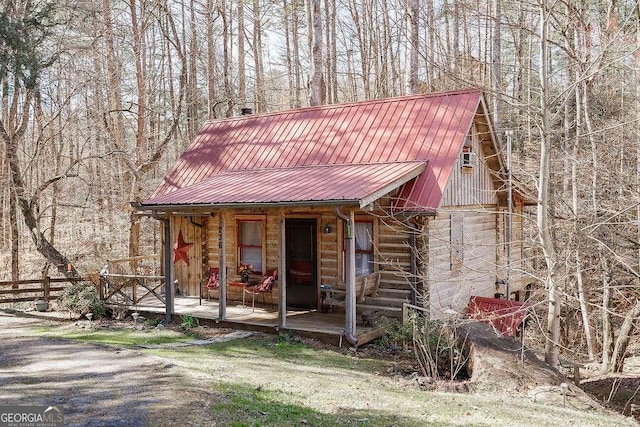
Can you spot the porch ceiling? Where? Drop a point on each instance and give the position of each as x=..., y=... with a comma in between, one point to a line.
x=321, y=184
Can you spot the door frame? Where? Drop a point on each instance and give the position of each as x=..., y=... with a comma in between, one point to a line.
x=316, y=237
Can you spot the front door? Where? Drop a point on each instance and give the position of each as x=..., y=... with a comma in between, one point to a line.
x=302, y=290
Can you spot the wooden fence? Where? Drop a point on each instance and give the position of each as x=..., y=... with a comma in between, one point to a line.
x=49, y=289
x=131, y=289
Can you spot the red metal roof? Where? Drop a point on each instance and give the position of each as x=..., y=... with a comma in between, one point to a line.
x=359, y=183
x=429, y=127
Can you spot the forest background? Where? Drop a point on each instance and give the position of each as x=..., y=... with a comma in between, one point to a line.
x=98, y=99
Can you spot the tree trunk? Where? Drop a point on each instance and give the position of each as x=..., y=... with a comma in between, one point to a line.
x=226, y=58
x=28, y=207
x=315, y=86
x=413, y=13
x=584, y=310
x=287, y=51
x=543, y=218
x=192, y=85
x=211, y=60
x=242, y=85
x=607, y=330
x=496, y=63
x=141, y=135
x=257, y=58
x=328, y=71
x=637, y=115
x=616, y=363
x=297, y=72
x=431, y=42
x=15, y=238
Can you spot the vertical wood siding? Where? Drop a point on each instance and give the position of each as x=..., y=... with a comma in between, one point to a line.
x=188, y=276
x=474, y=186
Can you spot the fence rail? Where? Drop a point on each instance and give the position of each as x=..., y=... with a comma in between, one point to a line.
x=49, y=289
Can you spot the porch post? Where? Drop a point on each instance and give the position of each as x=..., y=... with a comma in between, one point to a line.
x=168, y=277
x=222, y=275
x=350, y=297
x=413, y=268
x=282, y=273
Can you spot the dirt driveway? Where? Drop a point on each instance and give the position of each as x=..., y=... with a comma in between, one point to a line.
x=96, y=385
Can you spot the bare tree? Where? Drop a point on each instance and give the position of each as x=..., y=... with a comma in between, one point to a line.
x=26, y=29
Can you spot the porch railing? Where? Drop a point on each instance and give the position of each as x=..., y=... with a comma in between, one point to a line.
x=131, y=289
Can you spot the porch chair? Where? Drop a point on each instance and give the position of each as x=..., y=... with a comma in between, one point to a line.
x=265, y=286
x=210, y=282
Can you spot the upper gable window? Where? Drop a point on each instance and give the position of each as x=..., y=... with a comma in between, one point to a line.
x=468, y=158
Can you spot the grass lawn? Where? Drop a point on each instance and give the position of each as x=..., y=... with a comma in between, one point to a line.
x=278, y=381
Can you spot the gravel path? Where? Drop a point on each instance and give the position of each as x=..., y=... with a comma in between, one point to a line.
x=96, y=385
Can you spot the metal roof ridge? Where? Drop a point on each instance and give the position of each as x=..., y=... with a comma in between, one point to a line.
x=348, y=104
x=318, y=166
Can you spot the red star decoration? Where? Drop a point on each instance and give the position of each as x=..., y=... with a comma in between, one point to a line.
x=180, y=249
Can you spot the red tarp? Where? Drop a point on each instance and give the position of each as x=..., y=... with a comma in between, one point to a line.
x=504, y=315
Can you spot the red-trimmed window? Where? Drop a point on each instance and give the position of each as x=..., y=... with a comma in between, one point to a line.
x=250, y=244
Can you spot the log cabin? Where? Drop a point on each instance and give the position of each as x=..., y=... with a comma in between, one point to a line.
x=364, y=205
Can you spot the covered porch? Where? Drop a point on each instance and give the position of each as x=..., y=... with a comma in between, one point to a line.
x=326, y=327
x=286, y=222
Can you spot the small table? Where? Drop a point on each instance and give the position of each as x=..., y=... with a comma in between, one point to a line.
x=242, y=285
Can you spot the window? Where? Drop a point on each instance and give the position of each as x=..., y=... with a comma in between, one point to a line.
x=469, y=158
x=363, y=233
x=250, y=243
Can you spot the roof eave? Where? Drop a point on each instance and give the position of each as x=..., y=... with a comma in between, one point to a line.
x=392, y=185
x=243, y=205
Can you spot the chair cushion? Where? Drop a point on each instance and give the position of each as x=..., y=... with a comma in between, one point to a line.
x=265, y=285
x=213, y=282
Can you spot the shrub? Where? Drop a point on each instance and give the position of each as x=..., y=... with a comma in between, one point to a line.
x=189, y=322
x=436, y=345
x=81, y=298
x=395, y=333
x=152, y=323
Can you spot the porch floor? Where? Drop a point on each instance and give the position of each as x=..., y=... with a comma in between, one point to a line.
x=326, y=327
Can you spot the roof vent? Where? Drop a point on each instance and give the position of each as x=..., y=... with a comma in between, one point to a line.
x=246, y=111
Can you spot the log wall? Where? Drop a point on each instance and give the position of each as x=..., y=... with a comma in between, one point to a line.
x=393, y=253
x=452, y=283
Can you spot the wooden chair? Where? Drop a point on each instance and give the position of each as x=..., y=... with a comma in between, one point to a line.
x=265, y=286
x=210, y=282
x=366, y=285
